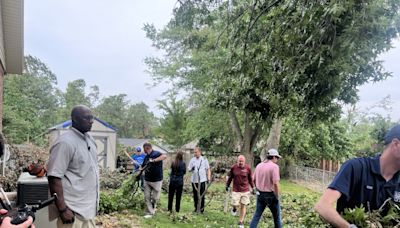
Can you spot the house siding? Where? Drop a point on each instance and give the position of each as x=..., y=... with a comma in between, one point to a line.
x=2, y=53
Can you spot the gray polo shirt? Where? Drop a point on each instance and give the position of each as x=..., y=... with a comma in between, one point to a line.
x=73, y=158
x=200, y=169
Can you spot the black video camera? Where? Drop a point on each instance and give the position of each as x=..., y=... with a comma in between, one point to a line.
x=21, y=214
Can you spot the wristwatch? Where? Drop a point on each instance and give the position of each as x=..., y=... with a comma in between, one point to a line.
x=63, y=210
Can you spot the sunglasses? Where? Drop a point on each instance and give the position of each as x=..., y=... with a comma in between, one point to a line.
x=88, y=118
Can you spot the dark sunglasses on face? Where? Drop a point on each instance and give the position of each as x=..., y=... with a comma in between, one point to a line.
x=88, y=118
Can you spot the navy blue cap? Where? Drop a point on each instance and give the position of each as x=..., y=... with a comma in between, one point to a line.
x=138, y=149
x=392, y=134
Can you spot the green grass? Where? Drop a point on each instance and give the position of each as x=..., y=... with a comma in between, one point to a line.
x=290, y=187
x=214, y=215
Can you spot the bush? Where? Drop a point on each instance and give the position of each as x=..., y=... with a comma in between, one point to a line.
x=121, y=198
x=111, y=179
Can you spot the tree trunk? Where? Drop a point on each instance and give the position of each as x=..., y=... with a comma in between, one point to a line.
x=237, y=131
x=247, y=141
x=273, y=138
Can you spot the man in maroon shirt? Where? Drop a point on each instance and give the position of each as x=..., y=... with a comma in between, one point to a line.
x=241, y=175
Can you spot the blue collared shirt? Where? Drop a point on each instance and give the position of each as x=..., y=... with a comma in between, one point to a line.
x=360, y=181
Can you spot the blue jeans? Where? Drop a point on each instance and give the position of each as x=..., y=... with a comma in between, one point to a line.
x=265, y=199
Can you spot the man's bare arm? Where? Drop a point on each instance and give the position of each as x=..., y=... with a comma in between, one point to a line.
x=55, y=186
x=325, y=208
x=209, y=174
x=276, y=189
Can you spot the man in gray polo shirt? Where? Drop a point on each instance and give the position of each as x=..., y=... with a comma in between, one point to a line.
x=73, y=172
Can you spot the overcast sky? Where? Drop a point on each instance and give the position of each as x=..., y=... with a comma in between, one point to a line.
x=103, y=43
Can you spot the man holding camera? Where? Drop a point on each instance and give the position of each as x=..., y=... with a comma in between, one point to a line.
x=73, y=172
x=6, y=222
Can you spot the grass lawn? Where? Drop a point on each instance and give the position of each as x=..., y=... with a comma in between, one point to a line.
x=296, y=200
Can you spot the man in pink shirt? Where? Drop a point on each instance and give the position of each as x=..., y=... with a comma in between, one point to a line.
x=266, y=178
x=240, y=173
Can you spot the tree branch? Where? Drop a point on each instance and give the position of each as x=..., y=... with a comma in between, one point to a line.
x=248, y=129
x=262, y=13
x=248, y=27
x=255, y=135
x=240, y=14
x=235, y=126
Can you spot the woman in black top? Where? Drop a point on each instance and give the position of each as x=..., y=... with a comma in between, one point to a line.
x=178, y=170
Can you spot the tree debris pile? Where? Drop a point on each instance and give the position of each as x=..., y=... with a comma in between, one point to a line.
x=20, y=157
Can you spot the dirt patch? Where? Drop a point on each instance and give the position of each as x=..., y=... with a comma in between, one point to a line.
x=121, y=219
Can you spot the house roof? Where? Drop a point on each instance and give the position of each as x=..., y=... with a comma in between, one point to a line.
x=132, y=142
x=68, y=123
x=139, y=143
x=12, y=12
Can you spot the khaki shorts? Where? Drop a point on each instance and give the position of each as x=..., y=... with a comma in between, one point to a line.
x=240, y=198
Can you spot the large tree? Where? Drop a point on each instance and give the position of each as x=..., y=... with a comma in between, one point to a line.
x=75, y=94
x=262, y=60
x=30, y=102
x=131, y=120
x=174, y=121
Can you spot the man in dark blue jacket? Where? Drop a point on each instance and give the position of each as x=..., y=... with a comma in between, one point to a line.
x=367, y=181
x=153, y=177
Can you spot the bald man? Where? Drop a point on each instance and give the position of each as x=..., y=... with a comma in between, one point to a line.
x=73, y=172
x=241, y=175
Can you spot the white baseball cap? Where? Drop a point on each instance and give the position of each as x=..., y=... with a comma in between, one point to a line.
x=273, y=152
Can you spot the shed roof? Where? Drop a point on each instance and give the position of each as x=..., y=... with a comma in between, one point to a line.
x=139, y=143
x=132, y=142
x=191, y=145
x=68, y=123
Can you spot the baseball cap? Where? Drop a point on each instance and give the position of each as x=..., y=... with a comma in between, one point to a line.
x=273, y=152
x=138, y=149
x=393, y=133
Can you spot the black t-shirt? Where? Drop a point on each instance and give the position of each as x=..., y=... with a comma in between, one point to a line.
x=177, y=173
x=360, y=181
x=153, y=171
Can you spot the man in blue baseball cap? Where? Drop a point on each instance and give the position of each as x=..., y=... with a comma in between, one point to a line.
x=367, y=181
x=138, y=158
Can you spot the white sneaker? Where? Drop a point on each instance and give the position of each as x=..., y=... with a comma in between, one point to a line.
x=234, y=213
x=148, y=216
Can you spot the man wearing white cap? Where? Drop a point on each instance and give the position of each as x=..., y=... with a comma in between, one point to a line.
x=266, y=178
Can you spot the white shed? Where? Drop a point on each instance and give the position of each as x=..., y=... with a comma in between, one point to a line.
x=105, y=136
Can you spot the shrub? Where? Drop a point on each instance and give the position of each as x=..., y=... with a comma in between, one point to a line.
x=121, y=198
x=111, y=179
